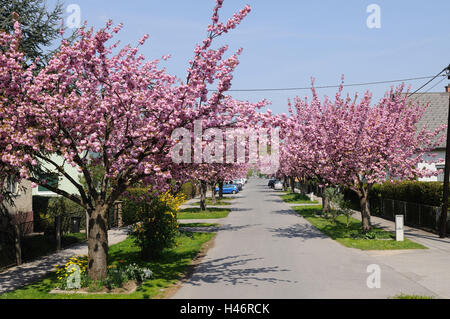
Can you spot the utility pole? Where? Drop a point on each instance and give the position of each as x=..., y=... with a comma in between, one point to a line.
x=443, y=219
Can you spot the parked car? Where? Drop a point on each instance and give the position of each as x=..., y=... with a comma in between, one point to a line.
x=228, y=189
x=278, y=185
x=238, y=183
x=271, y=182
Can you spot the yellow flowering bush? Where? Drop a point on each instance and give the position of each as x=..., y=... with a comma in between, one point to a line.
x=64, y=271
x=157, y=226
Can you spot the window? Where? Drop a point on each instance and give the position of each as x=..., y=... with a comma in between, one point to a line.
x=52, y=180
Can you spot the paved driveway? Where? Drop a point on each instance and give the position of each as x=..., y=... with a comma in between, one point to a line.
x=268, y=251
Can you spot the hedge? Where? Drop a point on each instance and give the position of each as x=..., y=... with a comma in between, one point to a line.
x=426, y=193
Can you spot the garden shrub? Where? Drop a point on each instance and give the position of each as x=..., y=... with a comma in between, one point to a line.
x=189, y=190
x=157, y=224
x=426, y=193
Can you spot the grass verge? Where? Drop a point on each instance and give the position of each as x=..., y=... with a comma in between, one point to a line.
x=198, y=225
x=219, y=202
x=167, y=270
x=196, y=213
x=377, y=239
x=296, y=198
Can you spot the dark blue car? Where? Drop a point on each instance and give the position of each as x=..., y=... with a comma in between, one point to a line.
x=228, y=189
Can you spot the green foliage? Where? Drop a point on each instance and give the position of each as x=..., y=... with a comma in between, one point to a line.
x=427, y=193
x=157, y=226
x=189, y=190
x=60, y=206
x=39, y=26
x=132, y=205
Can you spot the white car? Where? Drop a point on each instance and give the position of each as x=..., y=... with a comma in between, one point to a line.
x=278, y=185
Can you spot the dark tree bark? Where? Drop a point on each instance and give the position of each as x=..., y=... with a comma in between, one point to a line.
x=291, y=181
x=203, y=189
x=98, y=242
x=220, y=189
x=365, y=209
x=213, y=193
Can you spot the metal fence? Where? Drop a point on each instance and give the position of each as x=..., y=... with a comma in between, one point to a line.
x=416, y=215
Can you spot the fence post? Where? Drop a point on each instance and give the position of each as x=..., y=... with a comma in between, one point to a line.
x=404, y=209
x=58, y=232
x=17, y=244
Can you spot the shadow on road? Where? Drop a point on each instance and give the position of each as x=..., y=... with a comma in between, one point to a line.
x=234, y=270
x=303, y=232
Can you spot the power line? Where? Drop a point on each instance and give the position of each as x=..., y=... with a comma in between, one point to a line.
x=443, y=78
x=332, y=86
x=447, y=69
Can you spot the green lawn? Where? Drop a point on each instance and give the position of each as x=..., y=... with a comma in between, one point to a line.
x=219, y=202
x=166, y=270
x=35, y=246
x=297, y=198
x=196, y=213
x=353, y=237
x=197, y=225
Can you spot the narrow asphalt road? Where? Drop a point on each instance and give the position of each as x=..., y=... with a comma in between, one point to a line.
x=265, y=250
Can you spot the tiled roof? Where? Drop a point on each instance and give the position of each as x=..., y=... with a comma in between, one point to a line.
x=437, y=112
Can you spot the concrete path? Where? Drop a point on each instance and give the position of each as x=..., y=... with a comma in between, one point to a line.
x=427, y=267
x=268, y=251
x=25, y=274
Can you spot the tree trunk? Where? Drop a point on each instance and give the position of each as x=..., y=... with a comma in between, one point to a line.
x=203, y=189
x=325, y=202
x=220, y=189
x=291, y=180
x=98, y=243
x=365, y=212
x=213, y=193
x=17, y=244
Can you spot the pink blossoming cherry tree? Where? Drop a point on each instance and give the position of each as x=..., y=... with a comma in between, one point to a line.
x=96, y=104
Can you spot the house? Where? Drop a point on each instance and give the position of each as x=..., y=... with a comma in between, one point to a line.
x=61, y=182
x=435, y=116
x=21, y=213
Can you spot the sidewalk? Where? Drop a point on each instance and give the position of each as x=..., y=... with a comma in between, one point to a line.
x=428, y=267
x=28, y=273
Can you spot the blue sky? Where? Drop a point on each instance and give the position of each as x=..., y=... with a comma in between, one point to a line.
x=288, y=42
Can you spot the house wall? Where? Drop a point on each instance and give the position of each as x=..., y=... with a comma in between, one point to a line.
x=63, y=183
x=440, y=155
x=22, y=211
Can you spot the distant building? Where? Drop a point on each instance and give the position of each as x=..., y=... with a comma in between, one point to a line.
x=435, y=116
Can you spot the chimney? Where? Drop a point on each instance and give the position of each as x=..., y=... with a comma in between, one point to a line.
x=447, y=89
